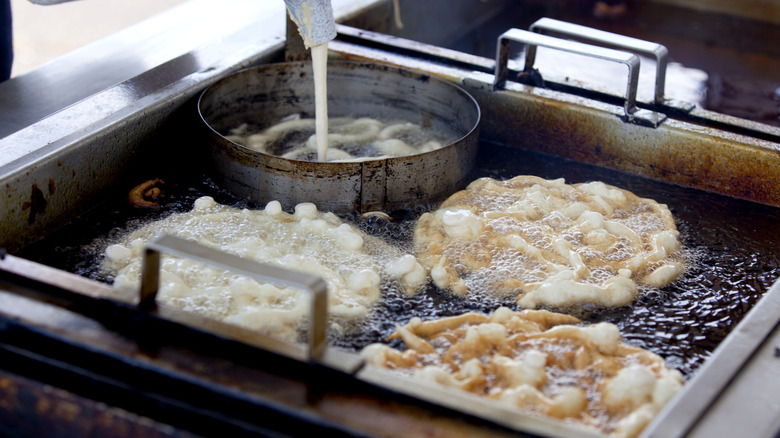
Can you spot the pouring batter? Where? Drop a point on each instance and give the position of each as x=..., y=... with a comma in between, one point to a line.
x=316, y=26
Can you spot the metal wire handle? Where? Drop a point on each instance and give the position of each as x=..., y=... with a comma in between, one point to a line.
x=315, y=286
x=622, y=42
x=532, y=40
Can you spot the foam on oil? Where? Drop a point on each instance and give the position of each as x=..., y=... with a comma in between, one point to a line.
x=732, y=248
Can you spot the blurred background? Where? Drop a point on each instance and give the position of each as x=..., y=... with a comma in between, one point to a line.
x=42, y=33
x=724, y=55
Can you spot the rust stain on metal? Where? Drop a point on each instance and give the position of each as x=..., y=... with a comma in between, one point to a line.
x=36, y=204
x=676, y=152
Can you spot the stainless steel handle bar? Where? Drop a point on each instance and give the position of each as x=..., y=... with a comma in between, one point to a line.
x=621, y=42
x=533, y=40
x=315, y=286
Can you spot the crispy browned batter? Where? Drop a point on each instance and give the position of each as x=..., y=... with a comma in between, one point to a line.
x=537, y=361
x=549, y=243
x=146, y=194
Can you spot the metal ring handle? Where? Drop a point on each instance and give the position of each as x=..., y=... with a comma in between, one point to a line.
x=532, y=40
x=622, y=42
x=316, y=286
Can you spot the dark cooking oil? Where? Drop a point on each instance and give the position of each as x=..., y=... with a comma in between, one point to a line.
x=733, y=249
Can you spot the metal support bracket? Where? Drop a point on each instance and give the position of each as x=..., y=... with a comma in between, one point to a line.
x=315, y=286
x=621, y=42
x=533, y=40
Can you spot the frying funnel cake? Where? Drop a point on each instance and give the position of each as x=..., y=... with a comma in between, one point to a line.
x=551, y=243
x=540, y=362
x=349, y=139
x=351, y=262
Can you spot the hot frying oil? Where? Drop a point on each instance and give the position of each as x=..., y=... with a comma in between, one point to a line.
x=732, y=248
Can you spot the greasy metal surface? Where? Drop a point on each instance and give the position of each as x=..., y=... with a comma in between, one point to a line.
x=54, y=277
x=33, y=409
x=50, y=174
x=79, y=287
x=271, y=92
x=454, y=65
x=677, y=152
x=72, y=325
x=591, y=131
x=226, y=382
